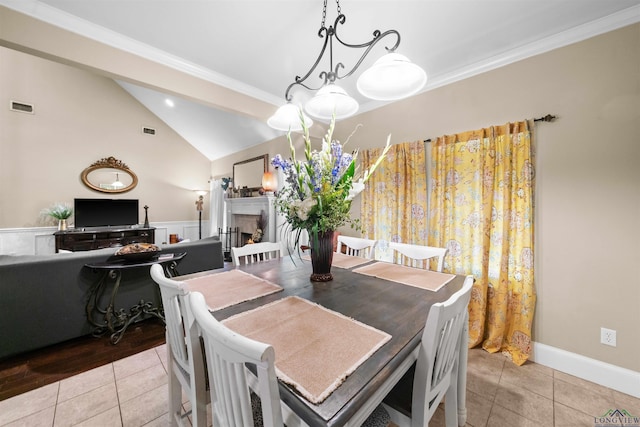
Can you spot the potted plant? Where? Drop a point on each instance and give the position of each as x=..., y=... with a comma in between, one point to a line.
x=59, y=211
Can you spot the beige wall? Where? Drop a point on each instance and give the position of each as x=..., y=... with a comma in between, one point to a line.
x=588, y=195
x=81, y=117
x=587, y=204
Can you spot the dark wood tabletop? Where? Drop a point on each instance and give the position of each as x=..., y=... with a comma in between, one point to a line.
x=400, y=310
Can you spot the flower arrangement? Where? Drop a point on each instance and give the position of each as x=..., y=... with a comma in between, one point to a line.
x=318, y=190
x=59, y=211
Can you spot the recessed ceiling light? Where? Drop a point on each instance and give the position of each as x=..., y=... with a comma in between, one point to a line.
x=169, y=102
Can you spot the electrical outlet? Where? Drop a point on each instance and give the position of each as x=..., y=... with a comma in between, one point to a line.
x=608, y=337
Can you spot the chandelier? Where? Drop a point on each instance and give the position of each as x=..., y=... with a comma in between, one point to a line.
x=390, y=78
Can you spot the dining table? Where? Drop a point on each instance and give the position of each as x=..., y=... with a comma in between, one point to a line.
x=397, y=309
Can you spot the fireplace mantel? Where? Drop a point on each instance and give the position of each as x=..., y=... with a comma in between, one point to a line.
x=253, y=206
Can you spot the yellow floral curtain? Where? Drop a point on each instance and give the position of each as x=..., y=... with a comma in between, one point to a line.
x=394, y=202
x=481, y=209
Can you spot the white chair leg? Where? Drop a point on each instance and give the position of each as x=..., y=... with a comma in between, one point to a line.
x=175, y=394
x=451, y=405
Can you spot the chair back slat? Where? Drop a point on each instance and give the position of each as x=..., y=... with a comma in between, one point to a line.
x=179, y=322
x=256, y=252
x=417, y=256
x=185, y=368
x=357, y=246
x=436, y=367
x=227, y=354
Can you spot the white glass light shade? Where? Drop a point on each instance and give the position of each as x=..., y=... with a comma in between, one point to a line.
x=331, y=99
x=117, y=184
x=391, y=77
x=287, y=118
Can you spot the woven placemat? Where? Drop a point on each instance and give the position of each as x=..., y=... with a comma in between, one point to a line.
x=316, y=348
x=420, y=278
x=231, y=287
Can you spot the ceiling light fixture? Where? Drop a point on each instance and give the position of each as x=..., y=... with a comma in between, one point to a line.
x=117, y=184
x=391, y=77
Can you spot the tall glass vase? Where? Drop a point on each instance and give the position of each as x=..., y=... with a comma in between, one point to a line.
x=321, y=255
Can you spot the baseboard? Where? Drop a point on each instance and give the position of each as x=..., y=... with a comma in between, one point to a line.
x=611, y=376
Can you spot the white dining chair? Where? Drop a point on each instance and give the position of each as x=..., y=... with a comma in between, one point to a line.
x=436, y=372
x=256, y=252
x=417, y=255
x=357, y=246
x=185, y=362
x=231, y=383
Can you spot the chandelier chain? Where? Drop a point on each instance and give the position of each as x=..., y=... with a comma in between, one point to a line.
x=324, y=12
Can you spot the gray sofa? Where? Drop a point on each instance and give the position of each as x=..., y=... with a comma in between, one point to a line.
x=43, y=297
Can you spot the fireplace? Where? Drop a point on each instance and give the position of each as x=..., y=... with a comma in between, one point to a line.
x=244, y=211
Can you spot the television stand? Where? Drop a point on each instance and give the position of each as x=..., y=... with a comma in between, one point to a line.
x=98, y=238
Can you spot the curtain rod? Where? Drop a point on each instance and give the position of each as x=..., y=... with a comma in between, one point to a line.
x=547, y=118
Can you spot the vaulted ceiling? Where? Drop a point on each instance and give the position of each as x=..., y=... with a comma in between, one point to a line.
x=258, y=47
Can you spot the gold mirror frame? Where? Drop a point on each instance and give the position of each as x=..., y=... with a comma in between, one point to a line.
x=109, y=163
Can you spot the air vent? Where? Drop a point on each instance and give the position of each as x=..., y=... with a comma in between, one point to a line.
x=148, y=131
x=21, y=107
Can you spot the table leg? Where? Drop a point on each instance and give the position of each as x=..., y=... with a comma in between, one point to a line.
x=93, y=304
x=462, y=372
x=171, y=269
x=116, y=321
x=140, y=309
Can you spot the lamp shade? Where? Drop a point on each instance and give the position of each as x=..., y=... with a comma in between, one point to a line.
x=391, y=77
x=329, y=100
x=269, y=182
x=287, y=118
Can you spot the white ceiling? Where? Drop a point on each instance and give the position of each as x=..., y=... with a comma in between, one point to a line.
x=258, y=47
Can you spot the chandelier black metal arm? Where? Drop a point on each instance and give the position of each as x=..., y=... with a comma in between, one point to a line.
x=330, y=76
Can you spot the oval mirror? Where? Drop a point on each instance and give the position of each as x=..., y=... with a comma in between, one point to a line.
x=109, y=175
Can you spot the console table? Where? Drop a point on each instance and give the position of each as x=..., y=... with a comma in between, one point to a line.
x=98, y=238
x=117, y=321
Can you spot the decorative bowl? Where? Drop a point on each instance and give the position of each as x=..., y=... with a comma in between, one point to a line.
x=138, y=252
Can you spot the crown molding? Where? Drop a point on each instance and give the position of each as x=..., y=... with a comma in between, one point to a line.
x=50, y=15
x=58, y=18
x=577, y=34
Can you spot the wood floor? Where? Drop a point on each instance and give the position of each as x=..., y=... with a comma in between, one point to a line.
x=29, y=371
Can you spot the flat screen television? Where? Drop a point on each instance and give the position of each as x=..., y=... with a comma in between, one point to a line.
x=105, y=212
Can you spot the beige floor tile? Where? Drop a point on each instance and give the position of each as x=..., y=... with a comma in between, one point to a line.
x=625, y=401
x=478, y=409
x=28, y=403
x=109, y=418
x=583, y=399
x=162, y=421
x=483, y=372
x=136, y=384
x=569, y=417
x=145, y=408
x=530, y=379
x=136, y=363
x=501, y=417
x=86, y=406
x=162, y=354
x=85, y=382
x=525, y=403
x=596, y=388
x=42, y=418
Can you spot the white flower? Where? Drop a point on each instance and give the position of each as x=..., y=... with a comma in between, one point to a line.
x=356, y=188
x=302, y=207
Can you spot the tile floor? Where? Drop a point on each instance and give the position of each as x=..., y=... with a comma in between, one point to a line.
x=132, y=392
